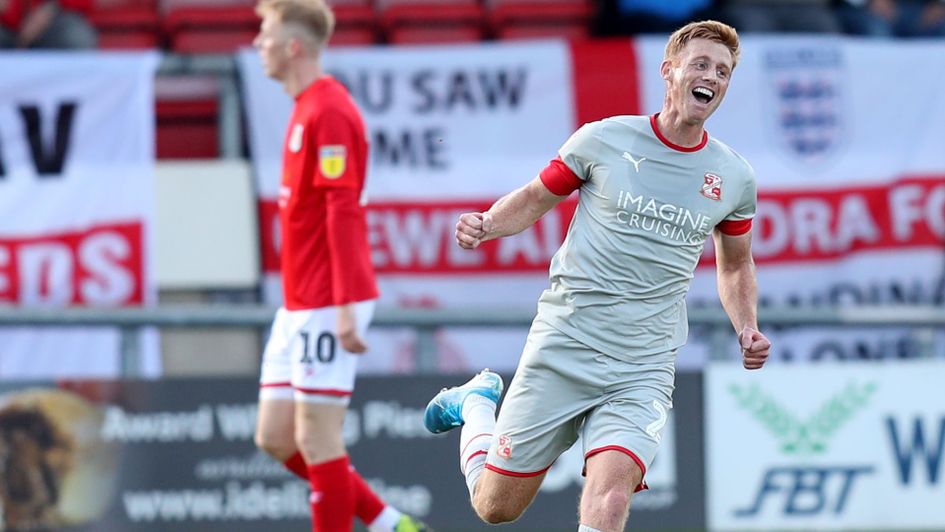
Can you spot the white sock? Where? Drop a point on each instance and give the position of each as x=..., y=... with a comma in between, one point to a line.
x=585, y=528
x=475, y=437
x=386, y=521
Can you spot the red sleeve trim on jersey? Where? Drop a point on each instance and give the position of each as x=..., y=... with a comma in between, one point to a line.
x=734, y=227
x=559, y=178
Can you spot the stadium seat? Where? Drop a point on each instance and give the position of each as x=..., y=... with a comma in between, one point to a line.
x=211, y=27
x=126, y=24
x=525, y=19
x=355, y=22
x=187, y=117
x=428, y=21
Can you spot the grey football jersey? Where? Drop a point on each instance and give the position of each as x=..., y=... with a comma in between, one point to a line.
x=645, y=209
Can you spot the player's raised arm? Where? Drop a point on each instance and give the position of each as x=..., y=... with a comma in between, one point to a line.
x=738, y=291
x=511, y=214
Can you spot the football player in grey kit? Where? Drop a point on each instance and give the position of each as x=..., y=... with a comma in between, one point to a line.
x=599, y=360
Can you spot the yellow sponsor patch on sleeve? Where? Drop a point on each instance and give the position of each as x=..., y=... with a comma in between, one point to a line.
x=332, y=160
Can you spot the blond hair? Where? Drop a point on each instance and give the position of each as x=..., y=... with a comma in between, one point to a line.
x=707, y=29
x=313, y=16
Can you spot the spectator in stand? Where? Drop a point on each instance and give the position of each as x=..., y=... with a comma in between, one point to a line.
x=46, y=24
x=772, y=16
x=893, y=18
x=631, y=17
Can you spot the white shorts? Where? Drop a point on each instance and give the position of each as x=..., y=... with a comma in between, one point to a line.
x=304, y=360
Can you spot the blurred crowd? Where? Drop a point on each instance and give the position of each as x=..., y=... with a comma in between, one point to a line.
x=870, y=18
x=66, y=23
x=46, y=24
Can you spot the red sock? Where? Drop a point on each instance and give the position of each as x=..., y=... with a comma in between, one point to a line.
x=297, y=465
x=367, y=504
x=332, y=496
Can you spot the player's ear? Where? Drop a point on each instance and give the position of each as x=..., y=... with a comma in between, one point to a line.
x=666, y=68
x=291, y=46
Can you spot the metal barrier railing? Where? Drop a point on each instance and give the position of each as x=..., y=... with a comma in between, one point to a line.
x=923, y=320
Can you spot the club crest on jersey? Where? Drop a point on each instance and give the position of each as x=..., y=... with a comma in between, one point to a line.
x=712, y=187
x=332, y=160
x=295, y=138
x=505, y=447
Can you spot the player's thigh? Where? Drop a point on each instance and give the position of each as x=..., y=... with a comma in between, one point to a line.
x=275, y=430
x=275, y=427
x=318, y=430
x=503, y=498
x=555, y=384
x=632, y=413
x=612, y=477
x=275, y=375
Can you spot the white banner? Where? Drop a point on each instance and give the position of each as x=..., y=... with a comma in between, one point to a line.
x=861, y=446
x=451, y=128
x=76, y=177
x=445, y=122
x=849, y=162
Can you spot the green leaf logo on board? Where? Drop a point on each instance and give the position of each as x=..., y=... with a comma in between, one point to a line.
x=807, y=436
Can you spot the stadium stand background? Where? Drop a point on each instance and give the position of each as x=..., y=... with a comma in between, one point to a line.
x=203, y=174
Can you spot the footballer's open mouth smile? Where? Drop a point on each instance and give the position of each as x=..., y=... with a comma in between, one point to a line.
x=703, y=94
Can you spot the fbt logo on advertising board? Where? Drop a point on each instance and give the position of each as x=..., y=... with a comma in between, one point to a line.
x=856, y=445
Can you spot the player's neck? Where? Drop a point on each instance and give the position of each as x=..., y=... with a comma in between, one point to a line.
x=303, y=74
x=675, y=129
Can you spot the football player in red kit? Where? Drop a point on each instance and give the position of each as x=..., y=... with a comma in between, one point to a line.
x=329, y=289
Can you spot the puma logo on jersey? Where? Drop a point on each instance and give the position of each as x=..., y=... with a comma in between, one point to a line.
x=636, y=162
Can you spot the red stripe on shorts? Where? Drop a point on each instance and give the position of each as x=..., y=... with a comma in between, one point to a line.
x=276, y=385
x=507, y=473
x=321, y=391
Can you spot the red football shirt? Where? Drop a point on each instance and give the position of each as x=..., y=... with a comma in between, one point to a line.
x=326, y=260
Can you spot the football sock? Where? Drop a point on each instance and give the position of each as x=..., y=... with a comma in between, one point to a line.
x=475, y=437
x=368, y=507
x=386, y=521
x=296, y=464
x=332, y=496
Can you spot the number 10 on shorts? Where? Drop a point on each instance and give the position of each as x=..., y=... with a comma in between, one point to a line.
x=322, y=349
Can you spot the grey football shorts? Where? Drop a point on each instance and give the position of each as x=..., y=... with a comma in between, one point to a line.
x=563, y=389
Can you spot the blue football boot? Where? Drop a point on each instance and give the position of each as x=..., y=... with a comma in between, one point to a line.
x=445, y=410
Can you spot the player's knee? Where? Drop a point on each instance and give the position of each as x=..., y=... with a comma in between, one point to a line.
x=320, y=445
x=278, y=446
x=609, y=500
x=495, y=508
